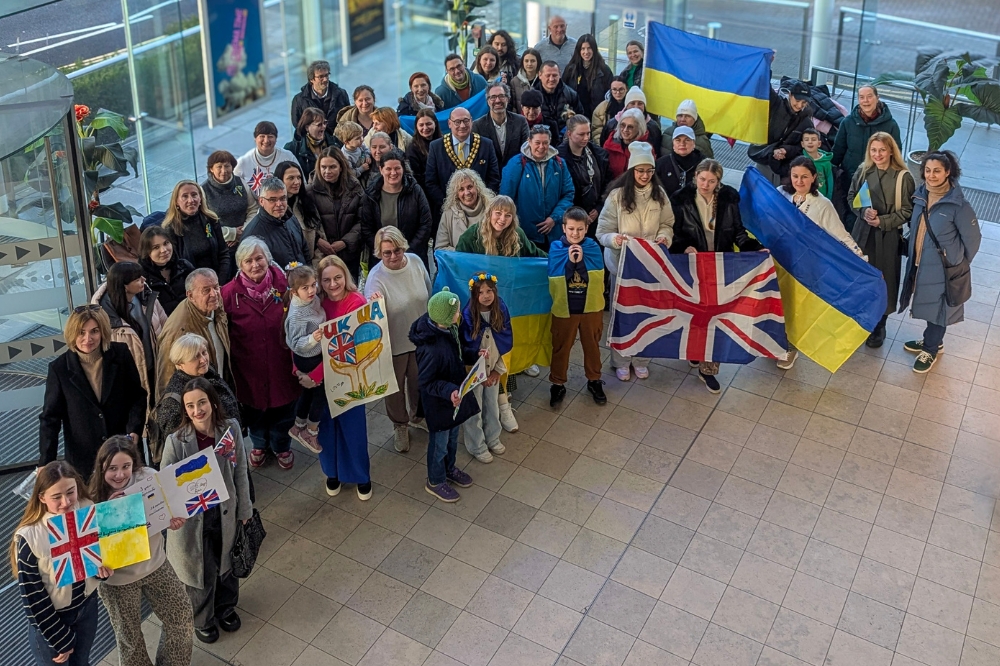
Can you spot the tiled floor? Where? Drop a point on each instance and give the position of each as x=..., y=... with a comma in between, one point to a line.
x=798, y=518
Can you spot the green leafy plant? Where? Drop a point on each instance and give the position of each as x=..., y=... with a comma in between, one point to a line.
x=952, y=89
x=461, y=16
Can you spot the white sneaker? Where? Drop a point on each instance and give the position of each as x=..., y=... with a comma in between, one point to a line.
x=532, y=370
x=789, y=360
x=507, y=419
x=484, y=457
x=498, y=448
x=623, y=374
x=642, y=373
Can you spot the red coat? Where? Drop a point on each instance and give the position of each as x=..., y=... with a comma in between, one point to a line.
x=618, y=155
x=261, y=361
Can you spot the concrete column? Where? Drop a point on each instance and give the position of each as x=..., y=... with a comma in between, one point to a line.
x=822, y=34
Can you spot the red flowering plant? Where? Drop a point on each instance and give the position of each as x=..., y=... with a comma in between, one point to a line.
x=103, y=164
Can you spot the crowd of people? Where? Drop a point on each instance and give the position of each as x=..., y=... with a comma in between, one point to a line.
x=216, y=329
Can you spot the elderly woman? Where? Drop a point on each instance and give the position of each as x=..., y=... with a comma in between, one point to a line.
x=164, y=270
x=419, y=97
x=190, y=357
x=631, y=127
x=92, y=391
x=301, y=205
x=228, y=196
x=200, y=550
x=635, y=99
x=262, y=365
x=403, y=280
x=879, y=227
x=427, y=129
x=336, y=194
x=276, y=227
x=195, y=231
x=310, y=139
x=944, y=232
x=361, y=112
x=385, y=120
x=464, y=206
x=637, y=207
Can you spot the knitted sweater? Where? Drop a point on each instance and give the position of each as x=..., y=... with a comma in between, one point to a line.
x=302, y=321
x=232, y=202
x=406, y=293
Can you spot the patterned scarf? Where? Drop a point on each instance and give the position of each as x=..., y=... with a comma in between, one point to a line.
x=258, y=291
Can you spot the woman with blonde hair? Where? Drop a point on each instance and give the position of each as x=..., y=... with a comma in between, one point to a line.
x=498, y=233
x=195, y=231
x=879, y=227
x=386, y=120
x=464, y=206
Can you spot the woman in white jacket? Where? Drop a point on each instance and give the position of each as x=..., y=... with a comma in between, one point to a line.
x=637, y=207
x=464, y=206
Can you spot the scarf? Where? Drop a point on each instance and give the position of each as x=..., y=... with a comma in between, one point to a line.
x=865, y=117
x=93, y=367
x=421, y=104
x=315, y=146
x=456, y=86
x=934, y=195
x=261, y=291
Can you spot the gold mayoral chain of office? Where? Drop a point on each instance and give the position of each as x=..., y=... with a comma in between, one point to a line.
x=449, y=148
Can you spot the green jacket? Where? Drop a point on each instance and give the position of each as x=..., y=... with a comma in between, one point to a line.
x=471, y=242
x=824, y=172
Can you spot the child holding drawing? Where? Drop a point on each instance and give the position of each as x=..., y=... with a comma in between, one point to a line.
x=441, y=373
x=303, y=320
x=117, y=467
x=62, y=620
x=485, y=331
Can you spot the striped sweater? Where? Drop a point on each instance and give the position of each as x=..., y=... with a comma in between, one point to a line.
x=38, y=604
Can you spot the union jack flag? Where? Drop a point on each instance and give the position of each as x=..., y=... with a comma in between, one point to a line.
x=202, y=502
x=74, y=545
x=226, y=448
x=707, y=306
x=342, y=348
x=257, y=178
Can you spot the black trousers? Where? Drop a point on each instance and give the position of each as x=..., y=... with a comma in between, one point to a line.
x=221, y=593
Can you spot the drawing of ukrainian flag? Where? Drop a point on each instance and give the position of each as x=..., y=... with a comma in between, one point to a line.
x=729, y=82
x=523, y=286
x=832, y=298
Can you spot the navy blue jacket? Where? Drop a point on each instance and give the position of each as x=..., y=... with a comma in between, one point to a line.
x=440, y=372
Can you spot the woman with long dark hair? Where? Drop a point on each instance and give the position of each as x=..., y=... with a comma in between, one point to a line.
x=527, y=74
x=164, y=269
x=337, y=195
x=426, y=129
x=487, y=65
x=301, y=204
x=588, y=74
x=632, y=74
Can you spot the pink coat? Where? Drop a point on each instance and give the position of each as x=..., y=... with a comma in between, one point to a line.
x=261, y=361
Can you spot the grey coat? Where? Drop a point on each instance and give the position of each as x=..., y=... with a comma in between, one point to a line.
x=957, y=230
x=184, y=546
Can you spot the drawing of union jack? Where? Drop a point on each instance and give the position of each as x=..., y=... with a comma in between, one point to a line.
x=74, y=545
x=257, y=178
x=707, y=306
x=202, y=502
x=342, y=348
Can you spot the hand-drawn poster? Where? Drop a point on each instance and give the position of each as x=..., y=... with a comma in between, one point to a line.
x=157, y=514
x=477, y=375
x=186, y=488
x=74, y=545
x=121, y=527
x=357, y=358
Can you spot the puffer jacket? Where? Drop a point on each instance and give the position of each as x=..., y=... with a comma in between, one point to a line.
x=340, y=221
x=170, y=292
x=852, y=137
x=336, y=99
x=440, y=372
x=729, y=231
x=413, y=214
x=590, y=95
x=538, y=192
x=649, y=220
x=784, y=130
x=702, y=139
x=957, y=230
x=283, y=237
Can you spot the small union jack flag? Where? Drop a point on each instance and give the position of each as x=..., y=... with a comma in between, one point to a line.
x=74, y=545
x=342, y=348
x=226, y=448
x=707, y=306
x=257, y=178
x=202, y=502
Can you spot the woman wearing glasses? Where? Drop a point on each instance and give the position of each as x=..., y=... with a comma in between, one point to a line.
x=403, y=280
x=310, y=139
x=92, y=391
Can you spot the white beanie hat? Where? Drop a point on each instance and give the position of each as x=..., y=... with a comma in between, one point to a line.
x=688, y=108
x=635, y=94
x=640, y=152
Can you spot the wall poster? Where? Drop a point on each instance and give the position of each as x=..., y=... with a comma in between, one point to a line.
x=233, y=55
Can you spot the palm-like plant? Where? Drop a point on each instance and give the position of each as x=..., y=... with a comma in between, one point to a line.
x=461, y=18
x=103, y=164
x=952, y=93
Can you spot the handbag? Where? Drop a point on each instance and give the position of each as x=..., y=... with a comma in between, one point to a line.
x=957, y=278
x=246, y=546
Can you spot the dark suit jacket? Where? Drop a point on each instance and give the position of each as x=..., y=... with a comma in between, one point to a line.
x=517, y=134
x=440, y=168
x=85, y=419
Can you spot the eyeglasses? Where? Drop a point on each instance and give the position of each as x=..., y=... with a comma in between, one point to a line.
x=388, y=254
x=318, y=123
x=462, y=121
x=496, y=98
x=275, y=200
x=80, y=309
x=645, y=172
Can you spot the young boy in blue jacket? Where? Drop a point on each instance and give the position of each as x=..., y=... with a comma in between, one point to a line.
x=440, y=373
x=576, y=282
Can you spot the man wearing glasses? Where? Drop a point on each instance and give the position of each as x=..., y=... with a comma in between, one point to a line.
x=321, y=93
x=461, y=148
x=275, y=226
x=507, y=131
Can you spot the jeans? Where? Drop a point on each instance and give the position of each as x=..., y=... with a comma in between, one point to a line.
x=83, y=623
x=269, y=427
x=442, y=446
x=482, y=431
x=933, y=337
x=309, y=406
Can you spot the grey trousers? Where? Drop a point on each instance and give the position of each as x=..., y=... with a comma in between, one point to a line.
x=404, y=367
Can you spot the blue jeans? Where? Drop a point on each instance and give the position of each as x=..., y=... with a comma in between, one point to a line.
x=82, y=622
x=933, y=337
x=269, y=427
x=442, y=446
x=482, y=431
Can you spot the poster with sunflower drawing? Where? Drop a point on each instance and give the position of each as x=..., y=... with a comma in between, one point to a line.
x=357, y=358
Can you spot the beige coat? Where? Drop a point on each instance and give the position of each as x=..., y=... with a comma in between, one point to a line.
x=649, y=220
x=187, y=319
x=598, y=121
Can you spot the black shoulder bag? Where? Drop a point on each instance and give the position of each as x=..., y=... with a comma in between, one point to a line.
x=246, y=546
x=957, y=278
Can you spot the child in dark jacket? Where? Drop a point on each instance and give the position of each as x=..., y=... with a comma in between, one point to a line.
x=576, y=283
x=441, y=373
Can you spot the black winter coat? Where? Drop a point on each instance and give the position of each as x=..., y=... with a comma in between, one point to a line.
x=407, y=107
x=517, y=134
x=784, y=130
x=852, y=138
x=85, y=419
x=299, y=147
x=590, y=95
x=170, y=292
x=675, y=171
x=413, y=215
x=340, y=221
x=588, y=193
x=554, y=105
x=440, y=372
x=729, y=230
x=335, y=100
x=217, y=257
x=283, y=237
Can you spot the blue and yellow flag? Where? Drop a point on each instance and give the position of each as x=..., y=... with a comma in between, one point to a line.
x=476, y=105
x=832, y=298
x=523, y=285
x=863, y=199
x=729, y=82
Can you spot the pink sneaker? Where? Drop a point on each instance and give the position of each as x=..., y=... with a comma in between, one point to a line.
x=641, y=373
x=285, y=460
x=624, y=374
x=257, y=457
x=310, y=440
x=295, y=432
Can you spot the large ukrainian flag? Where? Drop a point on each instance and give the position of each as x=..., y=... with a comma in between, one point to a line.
x=833, y=299
x=729, y=82
x=523, y=284
x=476, y=105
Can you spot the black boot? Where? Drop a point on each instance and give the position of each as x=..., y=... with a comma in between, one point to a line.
x=877, y=336
x=596, y=388
x=556, y=394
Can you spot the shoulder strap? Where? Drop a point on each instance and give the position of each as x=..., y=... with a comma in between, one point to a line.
x=899, y=190
x=925, y=220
